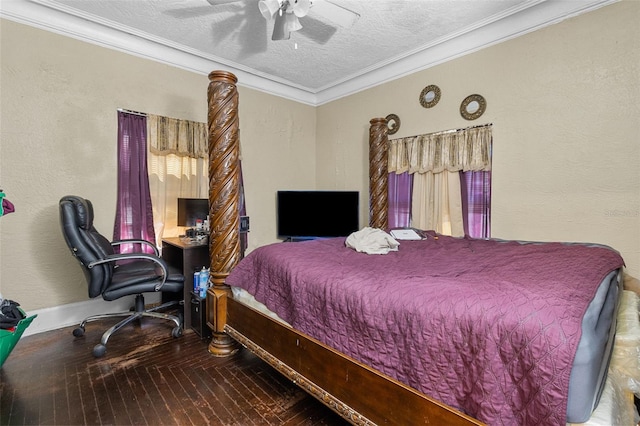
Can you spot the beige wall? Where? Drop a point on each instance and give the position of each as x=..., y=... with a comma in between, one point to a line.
x=563, y=101
x=566, y=117
x=58, y=136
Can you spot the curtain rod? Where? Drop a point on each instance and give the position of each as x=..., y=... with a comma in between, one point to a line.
x=128, y=111
x=144, y=114
x=442, y=132
x=476, y=126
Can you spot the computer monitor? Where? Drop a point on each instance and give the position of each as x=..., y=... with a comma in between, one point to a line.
x=192, y=209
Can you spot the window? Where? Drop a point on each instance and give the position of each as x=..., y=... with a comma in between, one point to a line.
x=448, y=177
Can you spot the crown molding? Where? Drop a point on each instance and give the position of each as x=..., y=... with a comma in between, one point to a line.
x=527, y=20
x=58, y=22
x=535, y=15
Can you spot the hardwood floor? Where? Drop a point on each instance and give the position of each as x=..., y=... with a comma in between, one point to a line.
x=146, y=377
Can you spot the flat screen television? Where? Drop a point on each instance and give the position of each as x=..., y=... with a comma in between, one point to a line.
x=317, y=214
x=192, y=209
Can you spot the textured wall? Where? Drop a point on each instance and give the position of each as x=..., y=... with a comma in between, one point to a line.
x=564, y=104
x=59, y=136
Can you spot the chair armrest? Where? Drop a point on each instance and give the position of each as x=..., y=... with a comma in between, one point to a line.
x=137, y=241
x=128, y=256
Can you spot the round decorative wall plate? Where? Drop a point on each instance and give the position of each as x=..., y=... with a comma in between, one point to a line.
x=472, y=107
x=393, y=123
x=429, y=96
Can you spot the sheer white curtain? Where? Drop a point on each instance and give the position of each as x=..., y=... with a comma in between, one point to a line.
x=435, y=161
x=178, y=168
x=437, y=204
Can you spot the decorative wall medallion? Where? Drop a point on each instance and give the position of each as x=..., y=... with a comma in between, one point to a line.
x=393, y=123
x=429, y=96
x=472, y=107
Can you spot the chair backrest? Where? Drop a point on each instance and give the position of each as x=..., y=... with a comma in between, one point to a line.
x=85, y=242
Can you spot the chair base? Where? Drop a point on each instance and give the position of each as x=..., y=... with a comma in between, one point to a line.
x=130, y=316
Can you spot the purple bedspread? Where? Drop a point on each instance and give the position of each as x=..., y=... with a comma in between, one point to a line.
x=488, y=327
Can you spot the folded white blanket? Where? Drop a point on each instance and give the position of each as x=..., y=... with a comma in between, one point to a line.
x=372, y=241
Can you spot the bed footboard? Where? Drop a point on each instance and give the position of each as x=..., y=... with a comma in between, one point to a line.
x=356, y=392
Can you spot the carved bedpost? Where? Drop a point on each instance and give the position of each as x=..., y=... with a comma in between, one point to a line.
x=378, y=173
x=224, y=203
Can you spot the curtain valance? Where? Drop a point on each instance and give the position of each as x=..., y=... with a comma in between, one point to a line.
x=180, y=137
x=466, y=150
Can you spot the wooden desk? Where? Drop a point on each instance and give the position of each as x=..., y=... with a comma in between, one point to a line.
x=188, y=258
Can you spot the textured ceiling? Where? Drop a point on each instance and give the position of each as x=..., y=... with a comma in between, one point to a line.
x=323, y=61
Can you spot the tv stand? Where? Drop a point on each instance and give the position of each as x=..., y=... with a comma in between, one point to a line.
x=299, y=239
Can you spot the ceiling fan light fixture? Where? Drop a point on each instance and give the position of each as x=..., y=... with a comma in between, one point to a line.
x=268, y=8
x=300, y=7
x=291, y=23
x=287, y=12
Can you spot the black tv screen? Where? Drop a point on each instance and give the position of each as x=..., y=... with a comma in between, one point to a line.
x=312, y=214
x=192, y=209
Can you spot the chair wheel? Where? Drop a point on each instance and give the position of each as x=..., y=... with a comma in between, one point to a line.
x=99, y=350
x=78, y=332
x=176, y=332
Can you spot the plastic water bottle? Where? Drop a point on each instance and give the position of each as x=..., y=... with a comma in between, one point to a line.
x=196, y=282
x=204, y=282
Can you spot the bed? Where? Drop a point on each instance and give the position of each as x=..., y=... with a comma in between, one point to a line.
x=499, y=361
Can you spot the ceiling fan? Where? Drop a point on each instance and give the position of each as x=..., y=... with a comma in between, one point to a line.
x=287, y=13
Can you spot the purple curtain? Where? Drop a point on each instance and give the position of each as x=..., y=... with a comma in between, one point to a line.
x=400, y=188
x=134, y=215
x=476, y=203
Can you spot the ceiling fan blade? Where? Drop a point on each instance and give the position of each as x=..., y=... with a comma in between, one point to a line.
x=337, y=14
x=279, y=30
x=195, y=11
x=316, y=30
x=219, y=2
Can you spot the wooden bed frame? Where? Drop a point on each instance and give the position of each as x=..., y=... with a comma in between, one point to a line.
x=358, y=393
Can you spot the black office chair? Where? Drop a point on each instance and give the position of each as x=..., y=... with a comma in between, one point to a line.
x=112, y=275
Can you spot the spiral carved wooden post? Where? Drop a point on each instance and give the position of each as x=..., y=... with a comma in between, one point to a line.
x=224, y=203
x=378, y=173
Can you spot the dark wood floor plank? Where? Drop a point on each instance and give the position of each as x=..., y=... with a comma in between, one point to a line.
x=146, y=377
x=270, y=408
x=211, y=397
x=191, y=395
x=60, y=397
x=243, y=399
x=104, y=396
x=88, y=401
x=28, y=405
x=7, y=410
x=143, y=399
x=128, y=399
x=47, y=390
x=180, y=397
x=227, y=397
x=123, y=410
x=75, y=399
x=156, y=398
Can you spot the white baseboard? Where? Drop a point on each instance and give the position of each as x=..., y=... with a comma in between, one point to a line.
x=74, y=313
